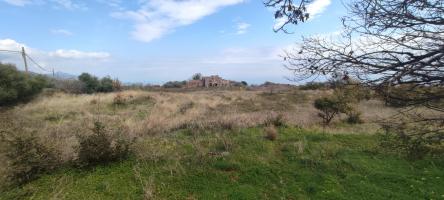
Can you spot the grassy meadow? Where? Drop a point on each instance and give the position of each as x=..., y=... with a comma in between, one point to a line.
x=218, y=145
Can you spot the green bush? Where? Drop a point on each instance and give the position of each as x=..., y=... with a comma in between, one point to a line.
x=106, y=85
x=415, y=140
x=174, y=84
x=329, y=107
x=27, y=157
x=354, y=117
x=92, y=84
x=100, y=147
x=16, y=86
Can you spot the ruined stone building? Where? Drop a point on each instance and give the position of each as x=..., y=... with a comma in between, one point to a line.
x=208, y=82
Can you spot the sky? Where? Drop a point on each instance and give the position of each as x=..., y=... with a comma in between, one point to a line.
x=154, y=41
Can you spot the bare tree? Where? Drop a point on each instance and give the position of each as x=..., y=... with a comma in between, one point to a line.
x=394, y=46
x=289, y=12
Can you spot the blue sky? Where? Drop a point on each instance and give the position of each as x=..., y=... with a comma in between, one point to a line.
x=154, y=41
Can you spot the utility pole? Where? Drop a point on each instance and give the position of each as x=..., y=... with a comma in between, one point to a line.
x=24, y=60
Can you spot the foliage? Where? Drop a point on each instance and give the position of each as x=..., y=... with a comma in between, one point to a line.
x=100, y=147
x=411, y=139
x=174, y=84
x=197, y=76
x=16, y=86
x=106, y=85
x=92, y=84
x=354, y=117
x=314, y=86
x=27, y=156
x=329, y=107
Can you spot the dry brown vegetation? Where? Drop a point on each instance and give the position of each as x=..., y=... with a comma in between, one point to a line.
x=208, y=125
x=59, y=117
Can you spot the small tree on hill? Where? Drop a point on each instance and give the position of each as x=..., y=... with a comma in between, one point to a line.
x=343, y=99
x=329, y=107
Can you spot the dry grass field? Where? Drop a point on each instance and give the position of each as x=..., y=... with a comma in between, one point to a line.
x=59, y=117
x=216, y=144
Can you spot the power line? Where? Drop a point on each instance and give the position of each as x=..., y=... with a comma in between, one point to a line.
x=38, y=65
x=10, y=51
x=29, y=57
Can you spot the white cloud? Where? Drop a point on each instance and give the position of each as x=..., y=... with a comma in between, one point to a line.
x=65, y=4
x=242, y=28
x=75, y=54
x=9, y=44
x=317, y=7
x=19, y=2
x=63, y=32
x=61, y=60
x=69, y=4
x=155, y=18
x=117, y=4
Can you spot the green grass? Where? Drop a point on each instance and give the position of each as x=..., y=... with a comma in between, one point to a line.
x=298, y=165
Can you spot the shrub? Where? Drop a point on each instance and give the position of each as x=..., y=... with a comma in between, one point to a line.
x=100, y=147
x=92, y=84
x=106, y=85
x=119, y=100
x=69, y=86
x=412, y=139
x=16, y=86
x=277, y=121
x=271, y=133
x=329, y=107
x=174, y=84
x=27, y=157
x=354, y=117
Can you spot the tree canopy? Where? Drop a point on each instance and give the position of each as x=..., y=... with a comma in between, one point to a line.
x=16, y=86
